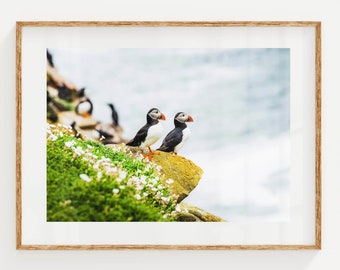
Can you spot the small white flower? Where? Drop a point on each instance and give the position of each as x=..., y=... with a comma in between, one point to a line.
x=165, y=199
x=143, y=178
x=99, y=175
x=70, y=144
x=79, y=151
x=139, y=187
x=53, y=137
x=137, y=196
x=121, y=187
x=145, y=194
x=122, y=175
x=112, y=170
x=115, y=190
x=85, y=177
x=169, y=181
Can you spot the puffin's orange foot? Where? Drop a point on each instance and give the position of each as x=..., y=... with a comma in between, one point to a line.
x=152, y=152
x=86, y=115
x=149, y=157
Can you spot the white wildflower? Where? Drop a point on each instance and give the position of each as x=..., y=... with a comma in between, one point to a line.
x=137, y=196
x=53, y=137
x=121, y=187
x=169, y=181
x=139, y=187
x=122, y=174
x=85, y=177
x=70, y=144
x=99, y=175
x=79, y=151
x=115, y=190
x=165, y=199
x=143, y=178
x=112, y=170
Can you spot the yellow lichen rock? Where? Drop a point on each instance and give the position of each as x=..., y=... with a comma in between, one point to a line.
x=185, y=173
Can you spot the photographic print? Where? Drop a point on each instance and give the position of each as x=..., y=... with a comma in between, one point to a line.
x=200, y=135
x=232, y=161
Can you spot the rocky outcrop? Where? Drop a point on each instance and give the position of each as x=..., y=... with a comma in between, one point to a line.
x=186, y=176
x=191, y=213
x=185, y=173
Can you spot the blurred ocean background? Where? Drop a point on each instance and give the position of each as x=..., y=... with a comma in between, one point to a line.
x=239, y=99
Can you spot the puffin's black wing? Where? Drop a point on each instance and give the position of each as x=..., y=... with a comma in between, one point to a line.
x=114, y=115
x=91, y=107
x=140, y=136
x=171, y=140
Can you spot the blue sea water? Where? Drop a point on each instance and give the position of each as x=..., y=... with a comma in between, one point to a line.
x=239, y=99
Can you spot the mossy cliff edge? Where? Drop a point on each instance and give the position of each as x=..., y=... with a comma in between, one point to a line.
x=88, y=181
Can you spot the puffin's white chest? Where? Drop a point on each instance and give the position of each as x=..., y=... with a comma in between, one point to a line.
x=186, y=135
x=155, y=132
x=84, y=107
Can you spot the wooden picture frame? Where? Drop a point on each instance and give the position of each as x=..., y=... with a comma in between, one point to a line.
x=28, y=34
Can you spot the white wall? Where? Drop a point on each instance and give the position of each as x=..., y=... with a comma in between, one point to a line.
x=326, y=11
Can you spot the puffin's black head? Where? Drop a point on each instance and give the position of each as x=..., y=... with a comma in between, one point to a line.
x=181, y=118
x=154, y=114
x=81, y=92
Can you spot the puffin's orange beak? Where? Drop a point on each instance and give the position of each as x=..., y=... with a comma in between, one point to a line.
x=163, y=117
x=190, y=119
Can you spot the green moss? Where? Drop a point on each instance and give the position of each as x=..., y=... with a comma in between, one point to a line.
x=110, y=196
x=63, y=105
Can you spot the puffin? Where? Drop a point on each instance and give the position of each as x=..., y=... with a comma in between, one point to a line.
x=103, y=136
x=76, y=132
x=114, y=115
x=85, y=106
x=178, y=136
x=151, y=132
